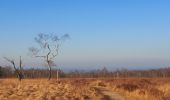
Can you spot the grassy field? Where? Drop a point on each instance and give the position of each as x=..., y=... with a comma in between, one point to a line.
x=85, y=89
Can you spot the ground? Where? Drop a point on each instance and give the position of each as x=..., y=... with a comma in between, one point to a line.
x=86, y=89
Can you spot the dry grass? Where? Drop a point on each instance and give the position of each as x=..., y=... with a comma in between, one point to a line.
x=83, y=89
x=142, y=89
x=41, y=89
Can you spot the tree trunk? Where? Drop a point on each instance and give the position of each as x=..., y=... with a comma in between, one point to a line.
x=57, y=75
x=19, y=74
x=49, y=69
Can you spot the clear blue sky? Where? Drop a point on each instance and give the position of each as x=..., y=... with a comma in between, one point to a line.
x=113, y=33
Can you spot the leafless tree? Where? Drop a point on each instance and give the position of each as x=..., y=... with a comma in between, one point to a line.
x=48, y=48
x=19, y=71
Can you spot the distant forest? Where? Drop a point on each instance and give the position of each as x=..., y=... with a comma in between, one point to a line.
x=8, y=72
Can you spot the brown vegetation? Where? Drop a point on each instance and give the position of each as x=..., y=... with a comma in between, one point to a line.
x=85, y=89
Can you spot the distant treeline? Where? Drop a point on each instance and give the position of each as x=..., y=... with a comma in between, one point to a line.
x=8, y=72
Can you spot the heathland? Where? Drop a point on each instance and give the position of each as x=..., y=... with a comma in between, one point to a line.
x=85, y=89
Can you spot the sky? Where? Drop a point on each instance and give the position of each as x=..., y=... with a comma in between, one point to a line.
x=133, y=34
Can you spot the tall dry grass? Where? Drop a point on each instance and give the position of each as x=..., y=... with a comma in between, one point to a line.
x=42, y=89
x=142, y=89
x=83, y=89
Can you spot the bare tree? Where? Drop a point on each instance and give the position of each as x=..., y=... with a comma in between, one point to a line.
x=19, y=72
x=48, y=48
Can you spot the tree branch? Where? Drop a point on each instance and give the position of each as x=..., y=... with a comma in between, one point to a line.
x=20, y=63
x=41, y=56
x=19, y=74
x=54, y=55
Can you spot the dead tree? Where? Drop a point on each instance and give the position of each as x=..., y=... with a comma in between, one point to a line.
x=48, y=48
x=19, y=71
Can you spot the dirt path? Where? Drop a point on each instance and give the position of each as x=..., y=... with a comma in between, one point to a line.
x=108, y=94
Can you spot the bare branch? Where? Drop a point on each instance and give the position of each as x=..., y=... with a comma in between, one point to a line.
x=8, y=59
x=19, y=74
x=65, y=36
x=34, y=51
x=48, y=52
x=11, y=61
x=56, y=52
x=20, y=63
x=55, y=38
x=41, y=56
x=49, y=44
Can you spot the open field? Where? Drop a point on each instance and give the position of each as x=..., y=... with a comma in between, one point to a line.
x=86, y=89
